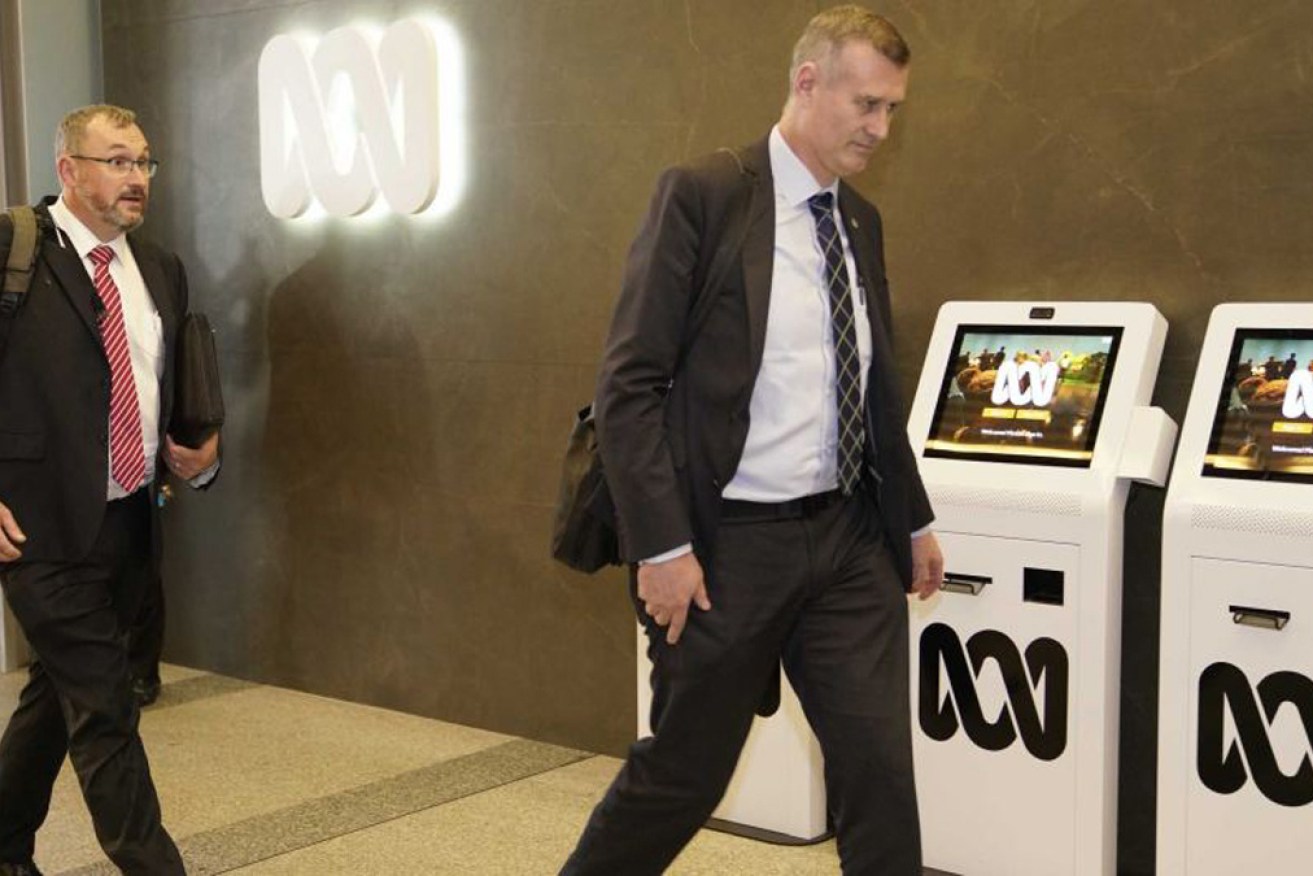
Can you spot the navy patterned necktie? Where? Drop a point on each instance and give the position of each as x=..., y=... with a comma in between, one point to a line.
x=848, y=380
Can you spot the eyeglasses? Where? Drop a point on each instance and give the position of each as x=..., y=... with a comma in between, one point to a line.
x=123, y=166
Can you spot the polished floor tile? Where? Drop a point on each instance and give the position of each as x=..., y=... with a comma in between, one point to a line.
x=526, y=829
x=264, y=781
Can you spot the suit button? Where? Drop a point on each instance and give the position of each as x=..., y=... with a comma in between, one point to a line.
x=104, y=440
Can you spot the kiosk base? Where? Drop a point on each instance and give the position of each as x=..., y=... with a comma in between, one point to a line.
x=13, y=645
x=991, y=665
x=777, y=793
x=1250, y=785
x=766, y=836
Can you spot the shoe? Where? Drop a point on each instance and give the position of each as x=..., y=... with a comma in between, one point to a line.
x=146, y=692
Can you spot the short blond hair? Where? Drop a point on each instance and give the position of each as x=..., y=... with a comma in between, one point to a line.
x=827, y=33
x=73, y=127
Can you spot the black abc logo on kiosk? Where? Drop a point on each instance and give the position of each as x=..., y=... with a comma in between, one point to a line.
x=1225, y=768
x=1045, y=736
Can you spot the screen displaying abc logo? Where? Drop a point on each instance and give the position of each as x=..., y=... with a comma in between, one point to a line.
x=1027, y=383
x=1299, y=396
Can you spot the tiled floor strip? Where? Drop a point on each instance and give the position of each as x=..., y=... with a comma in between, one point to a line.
x=296, y=827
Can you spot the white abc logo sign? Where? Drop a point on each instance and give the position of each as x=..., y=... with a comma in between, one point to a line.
x=360, y=114
x=1299, y=396
x=1042, y=383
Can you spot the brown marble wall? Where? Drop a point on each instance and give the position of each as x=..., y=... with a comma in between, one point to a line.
x=399, y=392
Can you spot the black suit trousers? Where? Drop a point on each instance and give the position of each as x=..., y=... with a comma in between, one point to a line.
x=78, y=699
x=146, y=640
x=819, y=592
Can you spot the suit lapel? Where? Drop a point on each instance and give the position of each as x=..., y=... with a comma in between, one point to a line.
x=859, y=239
x=71, y=275
x=759, y=250
x=160, y=293
x=163, y=293
x=882, y=369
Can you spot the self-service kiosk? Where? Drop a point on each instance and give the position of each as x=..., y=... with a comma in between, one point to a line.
x=1235, y=720
x=777, y=793
x=1030, y=422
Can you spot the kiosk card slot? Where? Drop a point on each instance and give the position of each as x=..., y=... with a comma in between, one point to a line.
x=1044, y=586
x=967, y=585
x=1262, y=618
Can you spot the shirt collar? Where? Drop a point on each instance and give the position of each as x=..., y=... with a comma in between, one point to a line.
x=78, y=234
x=793, y=181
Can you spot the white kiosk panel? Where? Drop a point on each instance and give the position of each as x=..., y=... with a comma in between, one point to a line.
x=964, y=711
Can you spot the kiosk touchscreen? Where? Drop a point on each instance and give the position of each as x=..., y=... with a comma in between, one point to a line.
x=1030, y=422
x=1235, y=720
x=1031, y=405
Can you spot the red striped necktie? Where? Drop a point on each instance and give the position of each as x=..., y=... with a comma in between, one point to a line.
x=127, y=451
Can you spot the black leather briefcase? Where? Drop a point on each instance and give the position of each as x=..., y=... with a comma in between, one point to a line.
x=198, y=395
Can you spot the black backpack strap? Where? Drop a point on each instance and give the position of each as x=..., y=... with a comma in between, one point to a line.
x=20, y=262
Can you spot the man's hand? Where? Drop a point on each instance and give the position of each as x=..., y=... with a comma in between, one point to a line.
x=666, y=590
x=187, y=463
x=10, y=536
x=927, y=565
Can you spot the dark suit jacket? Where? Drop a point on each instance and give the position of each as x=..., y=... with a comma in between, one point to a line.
x=669, y=448
x=54, y=395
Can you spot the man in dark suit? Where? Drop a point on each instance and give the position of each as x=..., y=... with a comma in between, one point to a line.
x=762, y=472
x=86, y=386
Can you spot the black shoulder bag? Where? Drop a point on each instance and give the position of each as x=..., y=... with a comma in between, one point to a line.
x=584, y=529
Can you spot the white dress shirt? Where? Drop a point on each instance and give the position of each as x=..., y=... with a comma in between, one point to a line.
x=145, y=330
x=792, y=448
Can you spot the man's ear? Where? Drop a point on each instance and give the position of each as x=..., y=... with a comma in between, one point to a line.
x=65, y=169
x=805, y=79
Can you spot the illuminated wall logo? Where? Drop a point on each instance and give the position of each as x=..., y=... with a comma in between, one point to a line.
x=362, y=113
x=1299, y=396
x=1221, y=767
x=1027, y=383
x=1045, y=662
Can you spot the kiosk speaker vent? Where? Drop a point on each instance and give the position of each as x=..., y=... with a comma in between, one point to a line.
x=1271, y=522
x=1052, y=504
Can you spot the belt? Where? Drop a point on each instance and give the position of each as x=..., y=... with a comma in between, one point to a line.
x=793, y=509
x=139, y=493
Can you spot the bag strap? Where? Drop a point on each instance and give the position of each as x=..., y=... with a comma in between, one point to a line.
x=737, y=232
x=20, y=262
x=21, y=258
